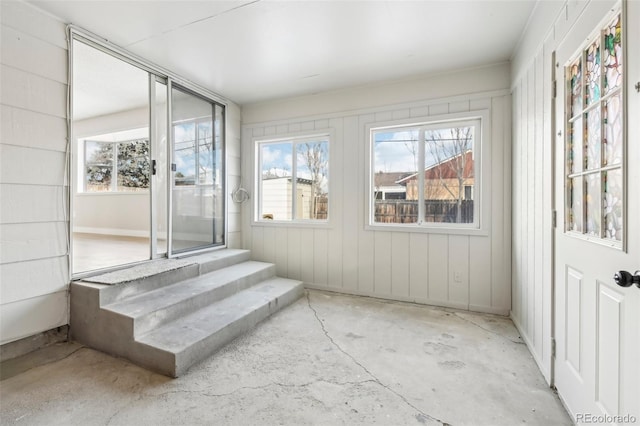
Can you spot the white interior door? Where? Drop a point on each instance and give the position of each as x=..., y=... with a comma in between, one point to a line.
x=597, y=322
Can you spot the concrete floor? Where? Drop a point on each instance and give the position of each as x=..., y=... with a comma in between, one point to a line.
x=327, y=359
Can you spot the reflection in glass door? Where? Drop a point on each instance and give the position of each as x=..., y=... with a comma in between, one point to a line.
x=111, y=167
x=197, y=184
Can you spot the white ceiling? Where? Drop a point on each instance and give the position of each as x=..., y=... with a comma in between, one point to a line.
x=251, y=51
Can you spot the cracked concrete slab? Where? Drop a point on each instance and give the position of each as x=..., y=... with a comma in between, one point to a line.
x=327, y=359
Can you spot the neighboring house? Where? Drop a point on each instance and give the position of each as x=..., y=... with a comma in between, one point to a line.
x=386, y=186
x=276, y=198
x=442, y=181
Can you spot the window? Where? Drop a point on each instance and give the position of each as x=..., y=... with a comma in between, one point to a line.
x=293, y=179
x=195, y=153
x=595, y=138
x=431, y=169
x=112, y=165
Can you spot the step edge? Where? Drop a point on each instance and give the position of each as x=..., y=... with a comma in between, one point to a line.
x=196, y=353
x=144, y=323
x=262, y=266
x=297, y=288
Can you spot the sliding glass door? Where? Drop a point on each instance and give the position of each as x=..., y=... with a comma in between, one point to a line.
x=197, y=173
x=147, y=162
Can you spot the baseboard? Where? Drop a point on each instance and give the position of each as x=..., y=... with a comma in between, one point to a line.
x=112, y=231
x=29, y=344
x=417, y=300
x=541, y=366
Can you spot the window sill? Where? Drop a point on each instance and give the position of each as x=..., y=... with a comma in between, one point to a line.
x=292, y=224
x=427, y=229
x=105, y=193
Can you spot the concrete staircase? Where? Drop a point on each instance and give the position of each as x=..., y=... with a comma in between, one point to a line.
x=169, y=314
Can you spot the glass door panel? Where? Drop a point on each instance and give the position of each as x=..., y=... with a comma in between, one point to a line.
x=111, y=168
x=197, y=175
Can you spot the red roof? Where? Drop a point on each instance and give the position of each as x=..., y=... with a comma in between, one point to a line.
x=448, y=169
x=389, y=178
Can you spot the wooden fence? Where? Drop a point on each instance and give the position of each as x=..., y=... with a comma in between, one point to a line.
x=405, y=211
x=322, y=208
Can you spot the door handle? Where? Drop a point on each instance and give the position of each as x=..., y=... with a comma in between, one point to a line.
x=625, y=279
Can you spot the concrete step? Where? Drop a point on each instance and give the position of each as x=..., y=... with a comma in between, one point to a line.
x=168, y=314
x=138, y=279
x=152, y=309
x=196, y=336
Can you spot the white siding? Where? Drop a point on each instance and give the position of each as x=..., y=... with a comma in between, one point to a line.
x=344, y=256
x=33, y=247
x=533, y=142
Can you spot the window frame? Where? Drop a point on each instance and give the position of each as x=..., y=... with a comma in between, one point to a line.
x=599, y=104
x=482, y=169
x=293, y=138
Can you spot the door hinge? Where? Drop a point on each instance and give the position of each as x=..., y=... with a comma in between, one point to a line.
x=154, y=169
x=554, y=218
x=553, y=348
x=555, y=89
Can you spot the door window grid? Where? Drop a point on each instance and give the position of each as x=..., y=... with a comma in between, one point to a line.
x=595, y=138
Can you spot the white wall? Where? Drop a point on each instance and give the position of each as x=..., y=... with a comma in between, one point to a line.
x=533, y=142
x=110, y=213
x=33, y=228
x=346, y=257
x=125, y=214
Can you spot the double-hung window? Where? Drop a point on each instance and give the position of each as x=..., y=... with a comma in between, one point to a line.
x=293, y=179
x=426, y=174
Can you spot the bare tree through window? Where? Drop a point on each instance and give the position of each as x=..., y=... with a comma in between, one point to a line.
x=452, y=151
x=315, y=157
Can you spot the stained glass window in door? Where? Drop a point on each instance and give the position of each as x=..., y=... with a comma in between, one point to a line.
x=574, y=215
x=612, y=112
x=612, y=56
x=575, y=148
x=592, y=204
x=575, y=87
x=595, y=141
x=592, y=56
x=613, y=204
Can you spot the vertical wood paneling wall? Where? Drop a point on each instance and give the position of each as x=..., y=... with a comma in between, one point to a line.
x=345, y=257
x=533, y=142
x=34, y=273
x=33, y=229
